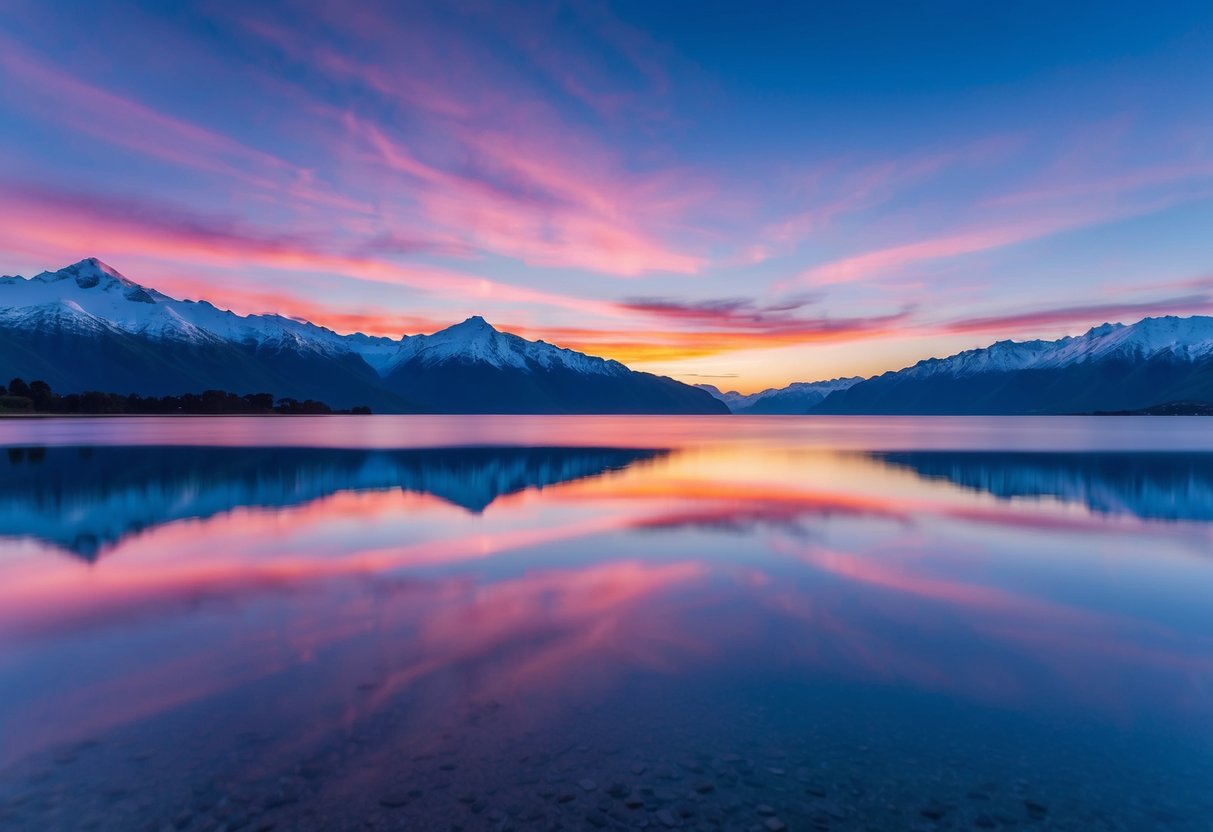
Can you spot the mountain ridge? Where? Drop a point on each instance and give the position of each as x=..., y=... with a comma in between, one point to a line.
x=87, y=326
x=796, y=398
x=1110, y=367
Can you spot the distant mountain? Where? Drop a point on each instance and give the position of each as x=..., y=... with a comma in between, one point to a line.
x=797, y=398
x=86, y=327
x=1112, y=367
x=85, y=500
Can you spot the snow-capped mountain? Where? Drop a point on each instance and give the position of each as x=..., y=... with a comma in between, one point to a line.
x=473, y=368
x=476, y=341
x=87, y=327
x=1179, y=339
x=1110, y=367
x=797, y=398
x=93, y=296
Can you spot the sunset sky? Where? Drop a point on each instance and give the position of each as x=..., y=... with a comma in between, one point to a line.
x=745, y=194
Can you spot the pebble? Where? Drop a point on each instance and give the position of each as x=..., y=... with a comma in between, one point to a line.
x=775, y=824
x=764, y=809
x=596, y=819
x=587, y=784
x=394, y=801
x=933, y=810
x=667, y=819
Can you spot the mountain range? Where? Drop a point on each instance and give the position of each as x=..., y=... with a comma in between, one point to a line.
x=87, y=327
x=1113, y=367
x=797, y=398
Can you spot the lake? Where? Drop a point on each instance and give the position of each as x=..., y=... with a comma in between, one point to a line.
x=442, y=623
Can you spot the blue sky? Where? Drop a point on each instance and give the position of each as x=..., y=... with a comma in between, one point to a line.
x=744, y=193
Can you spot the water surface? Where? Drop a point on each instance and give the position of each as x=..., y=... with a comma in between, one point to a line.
x=578, y=622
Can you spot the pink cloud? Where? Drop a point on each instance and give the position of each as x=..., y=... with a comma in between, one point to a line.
x=128, y=124
x=1148, y=177
x=847, y=186
x=521, y=198
x=483, y=156
x=1083, y=314
x=64, y=226
x=888, y=261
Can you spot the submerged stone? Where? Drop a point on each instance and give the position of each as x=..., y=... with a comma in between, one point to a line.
x=1036, y=811
x=668, y=819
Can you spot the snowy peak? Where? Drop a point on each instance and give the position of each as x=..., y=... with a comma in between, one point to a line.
x=67, y=324
x=91, y=273
x=99, y=293
x=476, y=341
x=1185, y=339
x=1109, y=368
x=1167, y=338
x=91, y=296
x=474, y=324
x=1182, y=344
x=471, y=341
x=1001, y=356
x=87, y=273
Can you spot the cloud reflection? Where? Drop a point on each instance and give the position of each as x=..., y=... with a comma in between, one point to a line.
x=819, y=568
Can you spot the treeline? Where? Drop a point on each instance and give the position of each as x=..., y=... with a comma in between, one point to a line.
x=1166, y=409
x=38, y=397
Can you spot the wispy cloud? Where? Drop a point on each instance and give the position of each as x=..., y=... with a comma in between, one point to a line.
x=718, y=333
x=1081, y=315
x=847, y=186
x=741, y=313
x=525, y=161
x=150, y=133
x=892, y=261
x=67, y=225
x=475, y=152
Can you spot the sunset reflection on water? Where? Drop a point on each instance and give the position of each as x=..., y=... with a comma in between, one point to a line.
x=366, y=611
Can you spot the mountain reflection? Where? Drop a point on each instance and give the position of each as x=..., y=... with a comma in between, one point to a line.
x=87, y=499
x=1156, y=486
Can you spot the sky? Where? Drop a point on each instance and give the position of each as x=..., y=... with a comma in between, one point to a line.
x=742, y=194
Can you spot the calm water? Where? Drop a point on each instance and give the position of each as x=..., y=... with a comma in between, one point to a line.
x=579, y=623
